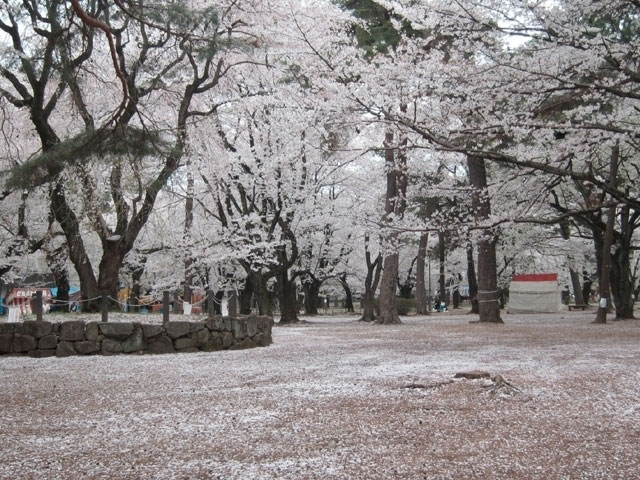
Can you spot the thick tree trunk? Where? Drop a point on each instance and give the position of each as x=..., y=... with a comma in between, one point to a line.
x=488, y=304
x=311, y=288
x=622, y=280
x=388, y=311
x=622, y=277
x=348, y=301
x=77, y=254
x=472, y=279
x=605, y=270
x=246, y=294
x=395, y=205
x=288, y=300
x=421, y=289
x=108, y=278
x=263, y=299
x=368, y=306
x=367, y=302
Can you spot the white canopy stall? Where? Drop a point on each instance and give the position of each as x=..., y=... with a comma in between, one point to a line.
x=535, y=293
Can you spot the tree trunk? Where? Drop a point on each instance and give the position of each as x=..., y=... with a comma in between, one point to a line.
x=421, y=290
x=61, y=277
x=217, y=302
x=67, y=219
x=488, y=304
x=259, y=285
x=311, y=288
x=188, y=223
x=388, y=311
x=136, y=288
x=246, y=294
x=598, y=246
x=367, y=302
x=395, y=204
x=622, y=283
x=56, y=260
x=442, y=295
x=573, y=275
x=348, y=302
x=605, y=270
x=473, y=284
x=575, y=285
x=455, y=297
x=288, y=300
x=368, y=306
x=109, y=268
x=621, y=272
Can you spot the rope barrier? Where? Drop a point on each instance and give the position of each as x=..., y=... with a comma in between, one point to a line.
x=139, y=304
x=81, y=300
x=55, y=302
x=199, y=302
x=117, y=301
x=215, y=300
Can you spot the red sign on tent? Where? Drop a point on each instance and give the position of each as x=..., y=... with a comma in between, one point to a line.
x=536, y=277
x=21, y=298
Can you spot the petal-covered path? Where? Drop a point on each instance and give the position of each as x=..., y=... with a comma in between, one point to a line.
x=334, y=398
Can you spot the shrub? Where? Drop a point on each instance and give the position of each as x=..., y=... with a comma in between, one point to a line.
x=403, y=305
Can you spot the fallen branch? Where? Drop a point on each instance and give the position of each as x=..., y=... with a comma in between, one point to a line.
x=501, y=383
x=427, y=386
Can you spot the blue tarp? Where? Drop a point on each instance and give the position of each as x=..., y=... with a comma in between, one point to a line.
x=72, y=290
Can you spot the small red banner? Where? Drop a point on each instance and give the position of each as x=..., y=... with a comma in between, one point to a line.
x=536, y=277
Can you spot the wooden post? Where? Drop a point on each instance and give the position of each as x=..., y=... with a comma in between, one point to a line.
x=38, y=305
x=232, y=305
x=210, y=310
x=104, y=306
x=165, y=307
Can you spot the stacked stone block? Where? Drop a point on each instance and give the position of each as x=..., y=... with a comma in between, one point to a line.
x=47, y=339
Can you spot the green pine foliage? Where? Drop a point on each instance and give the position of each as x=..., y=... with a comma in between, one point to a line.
x=46, y=166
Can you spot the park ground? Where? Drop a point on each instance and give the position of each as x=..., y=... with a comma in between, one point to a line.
x=335, y=398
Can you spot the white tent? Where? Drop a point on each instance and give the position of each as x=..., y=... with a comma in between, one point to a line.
x=535, y=293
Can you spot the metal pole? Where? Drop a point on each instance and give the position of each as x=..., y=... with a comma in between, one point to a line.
x=165, y=307
x=104, y=307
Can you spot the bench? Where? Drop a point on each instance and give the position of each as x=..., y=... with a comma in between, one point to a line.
x=574, y=307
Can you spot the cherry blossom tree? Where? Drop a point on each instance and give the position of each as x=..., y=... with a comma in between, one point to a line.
x=163, y=58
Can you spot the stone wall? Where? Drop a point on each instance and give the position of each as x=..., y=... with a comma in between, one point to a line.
x=47, y=339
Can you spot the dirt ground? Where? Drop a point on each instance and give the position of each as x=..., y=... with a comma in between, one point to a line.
x=334, y=398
